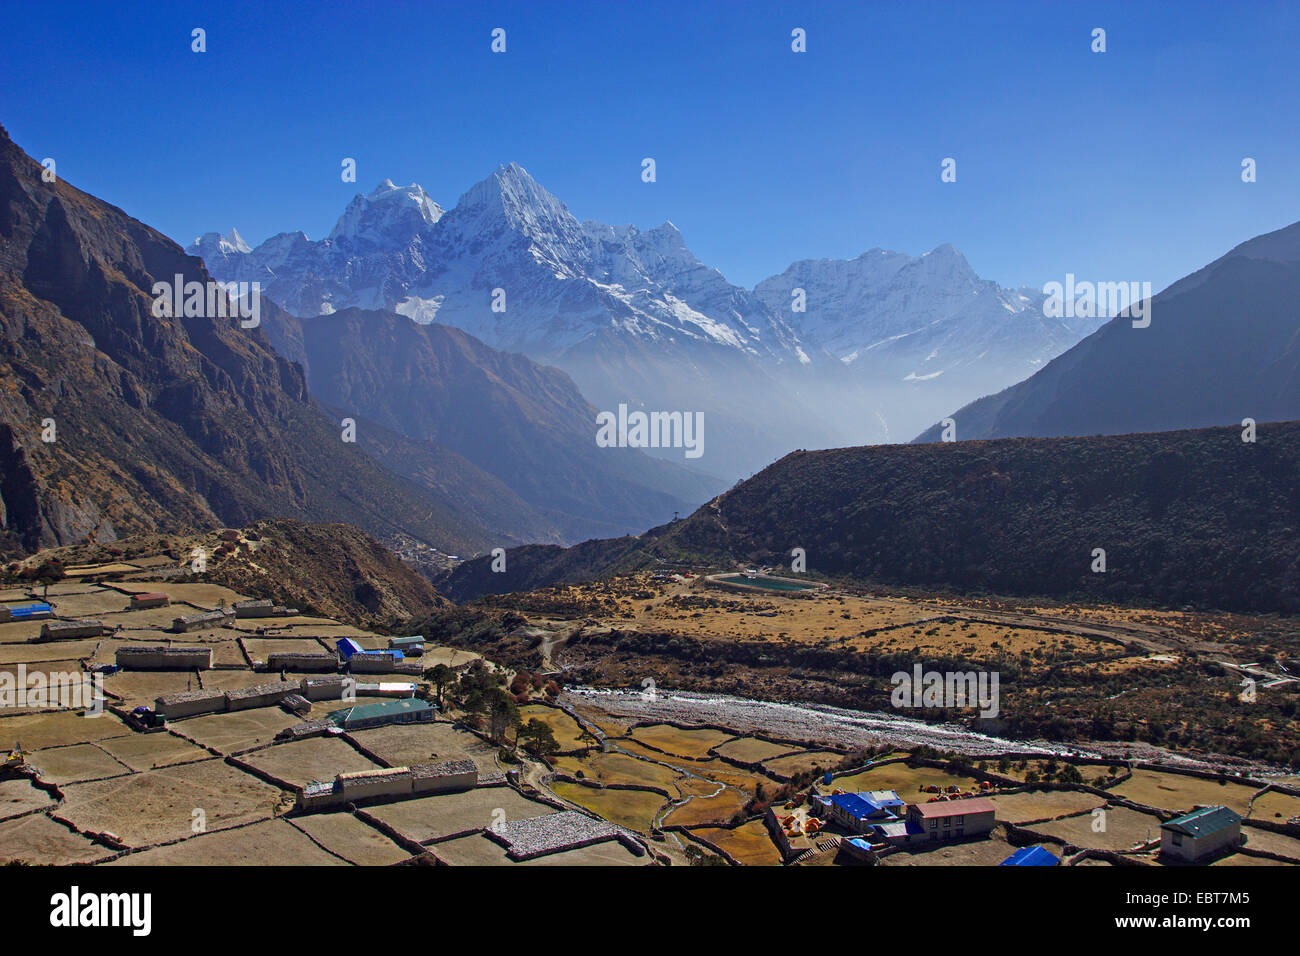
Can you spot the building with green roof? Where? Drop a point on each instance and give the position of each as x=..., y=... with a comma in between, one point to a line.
x=1200, y=834
x=404, y=710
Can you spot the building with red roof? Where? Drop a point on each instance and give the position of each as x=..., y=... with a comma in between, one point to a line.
x=953, y=819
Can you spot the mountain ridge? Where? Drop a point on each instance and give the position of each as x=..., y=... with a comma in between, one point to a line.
x=176, y=423
x=633, y=316
x=1231, y=323
x=1186, y=517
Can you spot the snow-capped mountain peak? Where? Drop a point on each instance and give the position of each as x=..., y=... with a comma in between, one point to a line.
x=634, y=314
x=510, y=190
x=387, y=214
x=511, y=194
x=217, y=244
x=505, y=213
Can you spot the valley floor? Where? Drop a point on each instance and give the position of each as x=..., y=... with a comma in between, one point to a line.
x=682, y=775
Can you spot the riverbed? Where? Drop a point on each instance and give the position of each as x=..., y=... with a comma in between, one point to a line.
x=839, y=727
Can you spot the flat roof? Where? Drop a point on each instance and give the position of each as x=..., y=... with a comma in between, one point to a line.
x=856, y=804
x=378, y=773
x=188, y=696
x=205, y=615
x=445, y=768
x=166, y=649
x=886, y=798
x=258, y=690
x=896, y=828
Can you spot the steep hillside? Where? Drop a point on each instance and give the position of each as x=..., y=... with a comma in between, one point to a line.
x=1190, y=517
x=334, y=570
x=114, y=420
x=525, y=424
x=1223, y=345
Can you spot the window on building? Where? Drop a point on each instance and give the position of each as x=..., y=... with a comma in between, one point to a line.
x=1178, y=839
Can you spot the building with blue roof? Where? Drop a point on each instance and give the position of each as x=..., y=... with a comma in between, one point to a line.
x=857, y=812
x=1031, y=856
x=1200, y=834
x=347, y=647
x=33, y=611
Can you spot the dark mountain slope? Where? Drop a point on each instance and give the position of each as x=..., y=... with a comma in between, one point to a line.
x=1191, y=517
x=161, y=423
x=524, y=423
x=1223, y=345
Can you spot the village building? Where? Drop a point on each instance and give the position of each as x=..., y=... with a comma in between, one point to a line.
x=381, y=782
x=394, y=782
x=318, y=795
x=346, y=647
x=34, y=611
x=308, y=728
x=404, y=711
x=163, y=657
x=1032, y=856
x=387, y=689
x=898, y=832
x=953, y=819
x=257, y=608
x=143, y=600
x=189, y=704
x=302, y=661
x=858, y=812
x=443, y=776
x=194, y=622
x=261, y=695
x=70, y=630
x=325, y=688
x=375, y=662
x=261, y=608
x=296, y=704
x=1200, y=834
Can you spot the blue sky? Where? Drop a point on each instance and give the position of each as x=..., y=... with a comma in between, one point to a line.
x=1116, y=166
